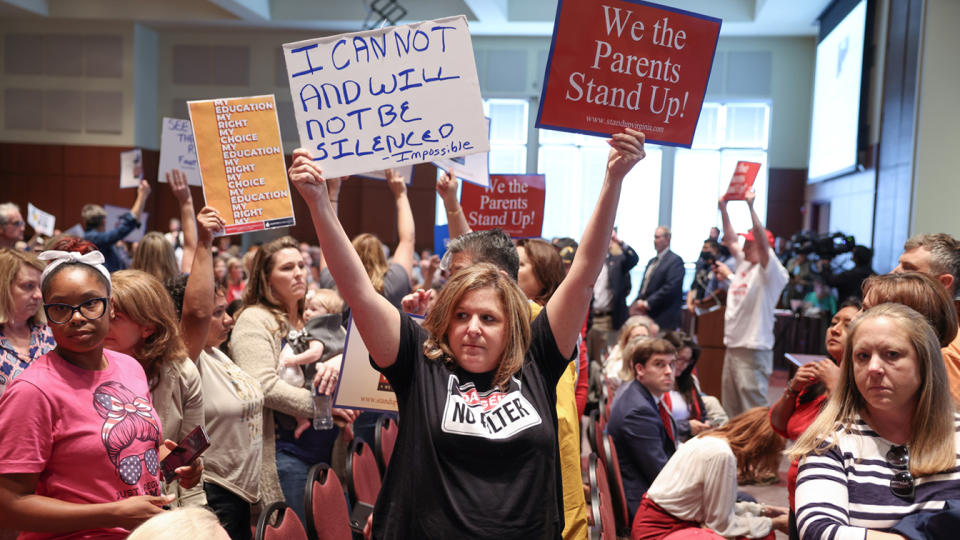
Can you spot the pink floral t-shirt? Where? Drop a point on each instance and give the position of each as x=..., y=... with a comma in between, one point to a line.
x=93, y=436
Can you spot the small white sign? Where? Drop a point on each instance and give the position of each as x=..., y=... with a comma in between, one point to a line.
x=113, y=219
x=131, y=168
x=474, y=168
x=178, y=151
x=41, y=221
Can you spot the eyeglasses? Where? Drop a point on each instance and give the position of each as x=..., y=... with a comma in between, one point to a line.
x=91, y=310
x=901, y=484
x=20, y=223
x=129, y=467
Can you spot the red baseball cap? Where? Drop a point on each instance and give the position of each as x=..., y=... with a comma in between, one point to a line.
x=748, y=236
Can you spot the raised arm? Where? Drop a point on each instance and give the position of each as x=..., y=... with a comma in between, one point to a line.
x=377, y=320
x=188, y=222
x=447, y=189
x=568, y=306
x=143, y=191
x=759, y=232
x=333, y=194
x=406, y=230
x=198, y=298
x=729, y=235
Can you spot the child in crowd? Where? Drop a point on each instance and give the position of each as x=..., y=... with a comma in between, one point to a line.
x=321, y=339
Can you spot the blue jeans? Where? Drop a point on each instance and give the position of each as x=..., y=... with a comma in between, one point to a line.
x=293, y=482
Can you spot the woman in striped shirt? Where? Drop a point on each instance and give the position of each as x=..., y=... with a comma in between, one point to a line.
x=885, y=445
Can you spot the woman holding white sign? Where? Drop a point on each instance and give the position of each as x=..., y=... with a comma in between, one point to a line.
x=476, y=455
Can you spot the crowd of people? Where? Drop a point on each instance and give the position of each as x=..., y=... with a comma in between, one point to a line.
x=109, y=357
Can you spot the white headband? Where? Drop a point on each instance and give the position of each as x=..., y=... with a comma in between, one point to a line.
x=93, y=259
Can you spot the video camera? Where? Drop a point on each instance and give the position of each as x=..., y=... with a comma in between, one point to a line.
x=825, y=246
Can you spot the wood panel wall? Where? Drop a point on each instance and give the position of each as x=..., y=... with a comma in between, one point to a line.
x=60, y=179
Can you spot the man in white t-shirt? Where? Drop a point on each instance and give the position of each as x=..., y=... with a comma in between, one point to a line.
x=755, y=286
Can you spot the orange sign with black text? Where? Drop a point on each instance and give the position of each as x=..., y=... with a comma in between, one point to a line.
x=242, y=168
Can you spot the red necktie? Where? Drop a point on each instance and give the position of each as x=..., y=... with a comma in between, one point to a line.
x=666, y=421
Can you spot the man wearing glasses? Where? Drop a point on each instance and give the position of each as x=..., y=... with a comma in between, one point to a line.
x=11, y=225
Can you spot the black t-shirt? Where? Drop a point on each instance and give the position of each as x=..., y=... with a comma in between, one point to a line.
x=470, y=462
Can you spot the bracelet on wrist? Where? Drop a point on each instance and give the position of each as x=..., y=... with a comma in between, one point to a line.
x=453, y=213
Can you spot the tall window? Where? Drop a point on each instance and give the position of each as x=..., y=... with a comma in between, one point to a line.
x=726, y=133
x=508, y=135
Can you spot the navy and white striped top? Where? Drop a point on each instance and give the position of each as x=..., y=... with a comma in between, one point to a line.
x=846, y=490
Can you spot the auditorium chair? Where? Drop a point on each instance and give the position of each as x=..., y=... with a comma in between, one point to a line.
x=618, y=497
x=280, y=522
x=326, y=507
x=384, y=438
x=363, y=474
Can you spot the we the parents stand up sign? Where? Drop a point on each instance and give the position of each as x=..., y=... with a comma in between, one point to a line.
x=618, y=64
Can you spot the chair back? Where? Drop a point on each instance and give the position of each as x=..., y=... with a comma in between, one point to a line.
x=363, y=475
x=326, y=507
x=608, y=522
x=384, y=439
x=280, y=522
x=619, y=498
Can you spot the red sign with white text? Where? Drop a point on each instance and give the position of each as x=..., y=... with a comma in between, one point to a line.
x=619, y=64
x=512, y=203
x=743, y=178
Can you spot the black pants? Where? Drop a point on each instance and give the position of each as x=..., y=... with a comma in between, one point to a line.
x=232, y=511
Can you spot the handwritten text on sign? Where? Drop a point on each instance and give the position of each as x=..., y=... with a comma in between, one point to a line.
x=743, y=178
x=625, y=63
x=241, y=162
x=513, y=203
x=178, y=151
x=399, y=95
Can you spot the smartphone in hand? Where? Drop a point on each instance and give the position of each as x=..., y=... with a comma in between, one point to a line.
x=185, y=453
x=358, y=518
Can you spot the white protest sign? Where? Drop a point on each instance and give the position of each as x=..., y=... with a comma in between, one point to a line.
x=41, y=221
x=405, y=172
x=474, y=168
x=131, y=168
x=361, y=386
x=377, y=99
x=178, y=151
x=113, y=219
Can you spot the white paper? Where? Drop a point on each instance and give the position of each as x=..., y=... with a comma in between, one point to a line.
x=113, y=218
x=178, y=151
x=390, y=97
x=41, y=221
x=131, y=168
x=360, y=386
x=474, y=168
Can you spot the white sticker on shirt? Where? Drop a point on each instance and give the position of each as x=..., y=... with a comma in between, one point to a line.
x=491, y=415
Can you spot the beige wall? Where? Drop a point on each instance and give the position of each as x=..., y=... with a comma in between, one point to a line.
x=936, y=182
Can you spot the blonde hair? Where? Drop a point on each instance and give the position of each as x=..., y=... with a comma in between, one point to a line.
x=626, y=372
x=328, y=298
x=516, y=313
x=932, y=432
x=10, y=262
x=155, y=256
x=233, y=262
x=370, y=250
x=143, y=299
x=258, y=290
x=192, y=522
x=756, y=446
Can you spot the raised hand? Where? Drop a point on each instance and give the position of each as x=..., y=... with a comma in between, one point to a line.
x=178, y=184
x=447, y=187
x=143, y=190
x=396, y=182
x=307, y=177
x=626, y=151
x=750, y=196
x=211, y=222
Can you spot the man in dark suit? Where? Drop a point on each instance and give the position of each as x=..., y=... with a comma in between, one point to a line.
x=642, y=428
x=608, y=309
x=661, y=293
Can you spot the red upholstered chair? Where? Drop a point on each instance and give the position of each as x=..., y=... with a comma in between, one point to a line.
x=326, y=507
x=592, y=421
x=384, y=438
x=619, y=498
x=280, y=522
x=363, y=475
x=608, y=521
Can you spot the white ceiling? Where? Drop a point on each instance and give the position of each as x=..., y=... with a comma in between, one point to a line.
x=487, y=17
